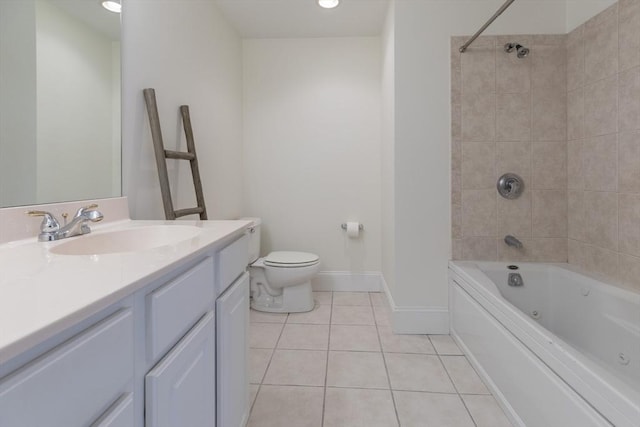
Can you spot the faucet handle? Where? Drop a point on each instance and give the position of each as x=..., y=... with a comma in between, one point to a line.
x=49, y=222
x=85, y=208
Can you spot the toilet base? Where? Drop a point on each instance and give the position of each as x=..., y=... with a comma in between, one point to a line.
x=294, y=299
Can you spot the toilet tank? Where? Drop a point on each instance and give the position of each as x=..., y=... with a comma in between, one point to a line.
x=253, y=231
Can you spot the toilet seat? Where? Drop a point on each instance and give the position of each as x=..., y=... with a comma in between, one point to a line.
x=287, y=259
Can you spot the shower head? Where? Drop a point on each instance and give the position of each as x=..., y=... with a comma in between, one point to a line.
x=521, y=51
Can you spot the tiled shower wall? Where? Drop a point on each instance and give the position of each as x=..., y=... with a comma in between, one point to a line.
x=509, y=115
x=603, y=83
x=567, y=119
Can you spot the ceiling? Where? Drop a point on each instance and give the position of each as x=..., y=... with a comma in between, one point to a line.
x=304, y=18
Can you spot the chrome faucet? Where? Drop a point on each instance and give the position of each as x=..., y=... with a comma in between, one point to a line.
x=513, y=241
x=51, y=230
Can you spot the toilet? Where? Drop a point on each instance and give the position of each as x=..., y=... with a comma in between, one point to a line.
x=280, y=281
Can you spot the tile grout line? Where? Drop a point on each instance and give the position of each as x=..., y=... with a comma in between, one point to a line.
x=273, y=352
x=384, y=360
x=326, y=367
x=456, y=387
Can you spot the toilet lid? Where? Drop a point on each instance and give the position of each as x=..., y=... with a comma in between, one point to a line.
x=291, y=259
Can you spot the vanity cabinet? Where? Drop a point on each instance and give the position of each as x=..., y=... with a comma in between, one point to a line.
x=171, y=353
x=232, y=309
x=75, y=383
x=181, y=389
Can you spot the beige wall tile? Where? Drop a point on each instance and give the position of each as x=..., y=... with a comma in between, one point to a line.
x=601, y=163
x=629, y=229
x=549, y=213
x=514, y=216
x=548, y=249
x=478, y=117
x=601, y=262
x=549, y=115
x=548, y=71
x=478, y=213
x=456, y=221
x=575, y=177
x=549, y=165
x=479, y=248
x=478, y=166
x=575, y=215
x=575, y=58
x=513, y=117
x=601, y=46
x=479, y=69
x=629, y=272
x=515, y=158
x=549, y=39
x=514, y=74
x=601, y=219
x=629, y=99
x=601, y=107
x=629, y=162
x=508, y=254
x=575, y=114
x=629, y=33
x=576, y=253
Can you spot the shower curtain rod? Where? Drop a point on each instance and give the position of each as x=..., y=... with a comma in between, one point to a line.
x=484, y=27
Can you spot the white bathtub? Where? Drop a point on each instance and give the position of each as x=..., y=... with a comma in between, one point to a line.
x=563, y=350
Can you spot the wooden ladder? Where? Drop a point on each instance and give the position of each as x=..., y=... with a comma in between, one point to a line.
x=162, y=155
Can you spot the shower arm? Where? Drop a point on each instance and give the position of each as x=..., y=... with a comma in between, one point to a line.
x=484, y=27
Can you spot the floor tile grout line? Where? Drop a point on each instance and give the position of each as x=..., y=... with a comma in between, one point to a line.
x=326, y=368
x=457, y=391
x=386, y=368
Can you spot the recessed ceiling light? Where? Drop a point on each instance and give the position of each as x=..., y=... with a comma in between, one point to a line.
x=328, y=4
x=112, y=5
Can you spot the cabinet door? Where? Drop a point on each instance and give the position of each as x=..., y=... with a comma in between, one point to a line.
x=120, y=414
x=74, y=383
x=180, y=390
x=232, y=310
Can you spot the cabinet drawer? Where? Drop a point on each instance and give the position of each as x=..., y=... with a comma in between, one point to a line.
x=175, y=307
x=232, y=262
x=74, y=383
x=120, y=414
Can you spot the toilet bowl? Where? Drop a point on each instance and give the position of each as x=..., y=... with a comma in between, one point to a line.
x=280, y=281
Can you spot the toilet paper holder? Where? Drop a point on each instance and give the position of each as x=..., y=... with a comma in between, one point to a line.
x=344, y=226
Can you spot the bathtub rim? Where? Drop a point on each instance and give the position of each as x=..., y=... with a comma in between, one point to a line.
x=615, y=403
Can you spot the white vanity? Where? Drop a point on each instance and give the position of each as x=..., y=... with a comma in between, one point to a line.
x=151, y=337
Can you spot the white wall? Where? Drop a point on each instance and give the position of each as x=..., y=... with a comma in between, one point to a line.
x=422, y=130
x=17, y=103
x=579, y=11
x=312, y=146
x=74, y=142
x=190, y=55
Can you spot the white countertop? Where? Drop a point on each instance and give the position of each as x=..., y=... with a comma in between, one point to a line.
x=42, y=293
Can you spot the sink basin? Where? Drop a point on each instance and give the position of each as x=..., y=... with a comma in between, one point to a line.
x=129, y=240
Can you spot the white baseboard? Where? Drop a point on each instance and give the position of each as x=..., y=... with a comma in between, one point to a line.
x=415, y=319
x=346, y=281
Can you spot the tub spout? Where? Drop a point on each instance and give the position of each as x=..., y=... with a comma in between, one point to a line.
x=513, y=241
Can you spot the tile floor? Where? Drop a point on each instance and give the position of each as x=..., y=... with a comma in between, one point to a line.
x=341, y=365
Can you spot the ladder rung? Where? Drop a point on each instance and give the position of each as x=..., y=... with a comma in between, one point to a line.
x=169, y=154
x=189, y=211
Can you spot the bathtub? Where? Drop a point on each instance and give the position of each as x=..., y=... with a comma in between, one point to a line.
x=562, y=350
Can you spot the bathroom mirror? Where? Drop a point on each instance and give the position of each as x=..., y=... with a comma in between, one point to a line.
x=59, y=101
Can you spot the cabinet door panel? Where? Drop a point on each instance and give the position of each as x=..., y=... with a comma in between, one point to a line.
x=232, y=310
x=232, y=262
x=118, y=415
x=175, y=307
x=73, y=384
x=180, y=390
